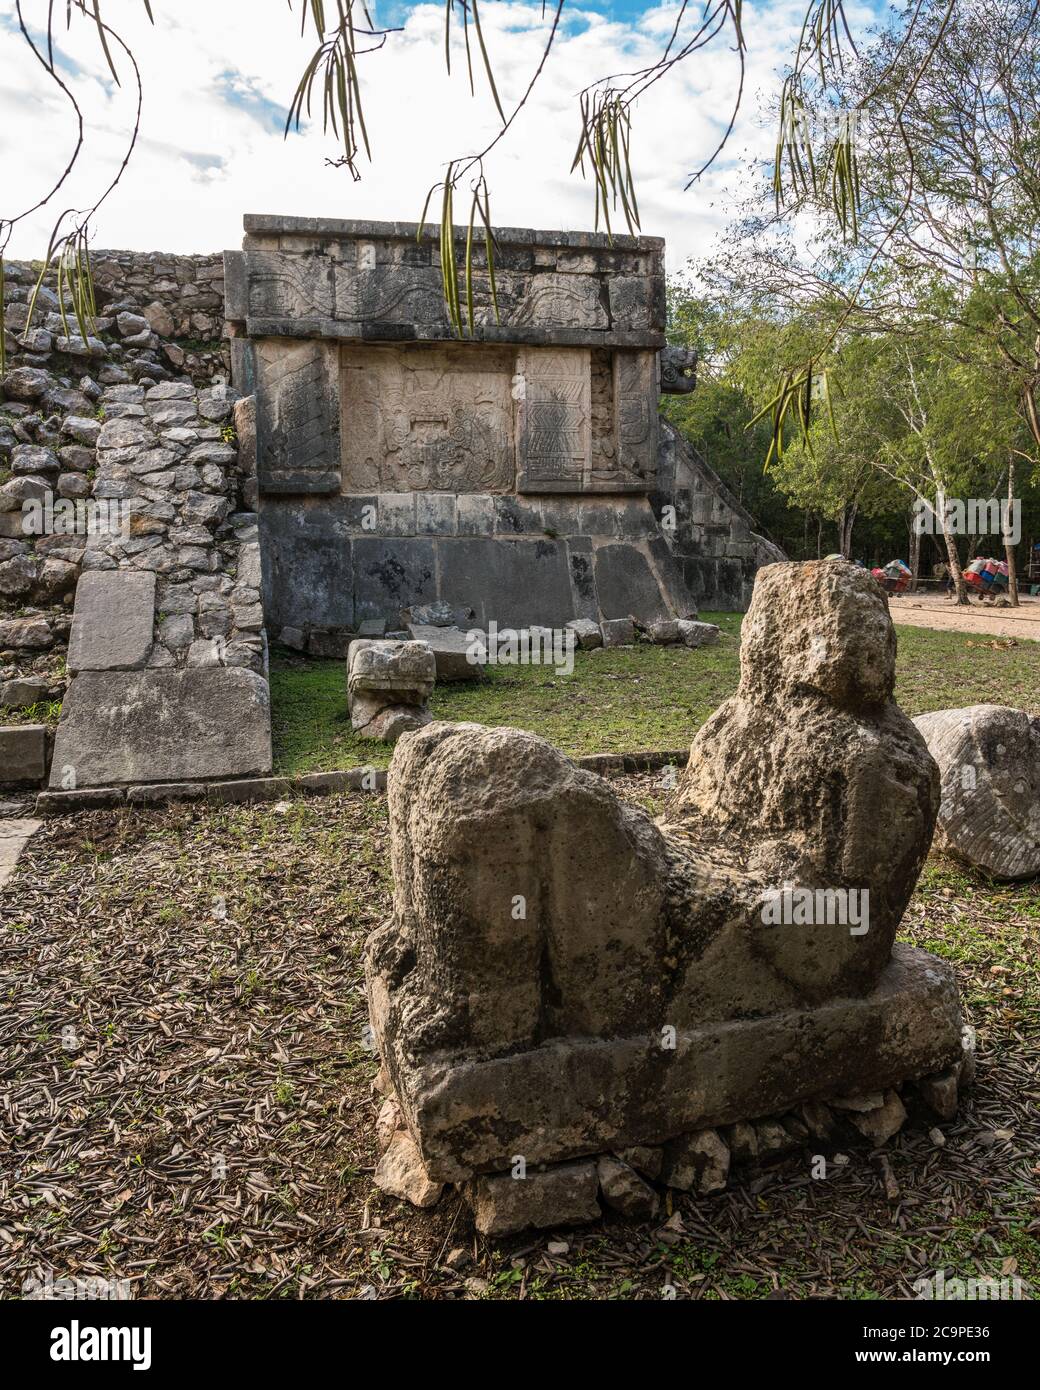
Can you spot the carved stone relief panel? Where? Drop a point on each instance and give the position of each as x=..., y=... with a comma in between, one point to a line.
x=554, y=430
x=427, y=418
x=635, y=417
x=289, y=287
x=297, y=427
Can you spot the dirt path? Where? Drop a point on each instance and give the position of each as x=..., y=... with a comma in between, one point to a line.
x=936, y=611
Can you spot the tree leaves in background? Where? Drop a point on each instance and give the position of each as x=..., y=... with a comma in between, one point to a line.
x=456, y=289
x=605, y=143
x=335, y=63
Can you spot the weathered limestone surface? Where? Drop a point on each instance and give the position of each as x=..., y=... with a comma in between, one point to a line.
x=561, y=1196
x=452, y=651
x=113, y=621
x=989, y=760
x=23, y=753
x=389, y=685
x=162, y=726
x=563, y=976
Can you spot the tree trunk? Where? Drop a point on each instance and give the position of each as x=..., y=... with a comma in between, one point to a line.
x=1009, y=549
x=915, y=557
x=954, y=561
x=848, y=521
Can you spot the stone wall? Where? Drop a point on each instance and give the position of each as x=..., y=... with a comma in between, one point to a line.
x=520, y=475
x=714, y=539
x=180, y=297
x=121, y=492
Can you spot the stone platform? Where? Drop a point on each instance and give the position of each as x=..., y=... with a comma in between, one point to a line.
x=576, y=1096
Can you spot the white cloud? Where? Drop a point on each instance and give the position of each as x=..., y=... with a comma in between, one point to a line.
x=218, y=75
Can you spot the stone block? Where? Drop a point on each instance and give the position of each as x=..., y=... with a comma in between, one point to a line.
x=113, y=621
x=23, y=753
x=697, y=634
x=452, y=651
x=587, y=633
x=169, y=725
x=627, y=586
x=618, y=632
x=989, y=763
x=561, y=1196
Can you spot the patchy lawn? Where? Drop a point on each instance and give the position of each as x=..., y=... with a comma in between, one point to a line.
x=186, y=1102
x=628, y=698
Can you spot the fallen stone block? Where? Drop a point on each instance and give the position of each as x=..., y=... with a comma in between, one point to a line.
x=697, y=634
x=664, y=631
x=561, y=1196
x=113, y=621
x=586, y=633
x=989, y=763
x=452, y=651
x=618, y=632
x=23, y=691
x=171, y=725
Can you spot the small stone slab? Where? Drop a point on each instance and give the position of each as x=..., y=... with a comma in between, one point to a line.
x=14, y=835
x=586, y=633
x=112, y=621
x=451, y=650
x=161, y=725
x=23, y=753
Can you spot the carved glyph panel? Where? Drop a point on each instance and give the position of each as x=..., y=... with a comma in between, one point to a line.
x=555, y=424
x=297, y=421
x=635, y=417
x=427, y=418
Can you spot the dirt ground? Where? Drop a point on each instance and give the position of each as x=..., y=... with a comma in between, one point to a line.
x=939, y=612
x=186, y=1101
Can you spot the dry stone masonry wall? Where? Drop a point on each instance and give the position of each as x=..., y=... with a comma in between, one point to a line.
x=122, y=490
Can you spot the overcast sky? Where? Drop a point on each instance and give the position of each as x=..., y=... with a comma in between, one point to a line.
x=218, y=74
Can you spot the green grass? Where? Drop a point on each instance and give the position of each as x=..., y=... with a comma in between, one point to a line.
x=629, y=698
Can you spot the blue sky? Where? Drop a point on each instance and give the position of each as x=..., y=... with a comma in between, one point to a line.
x=217, y=81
